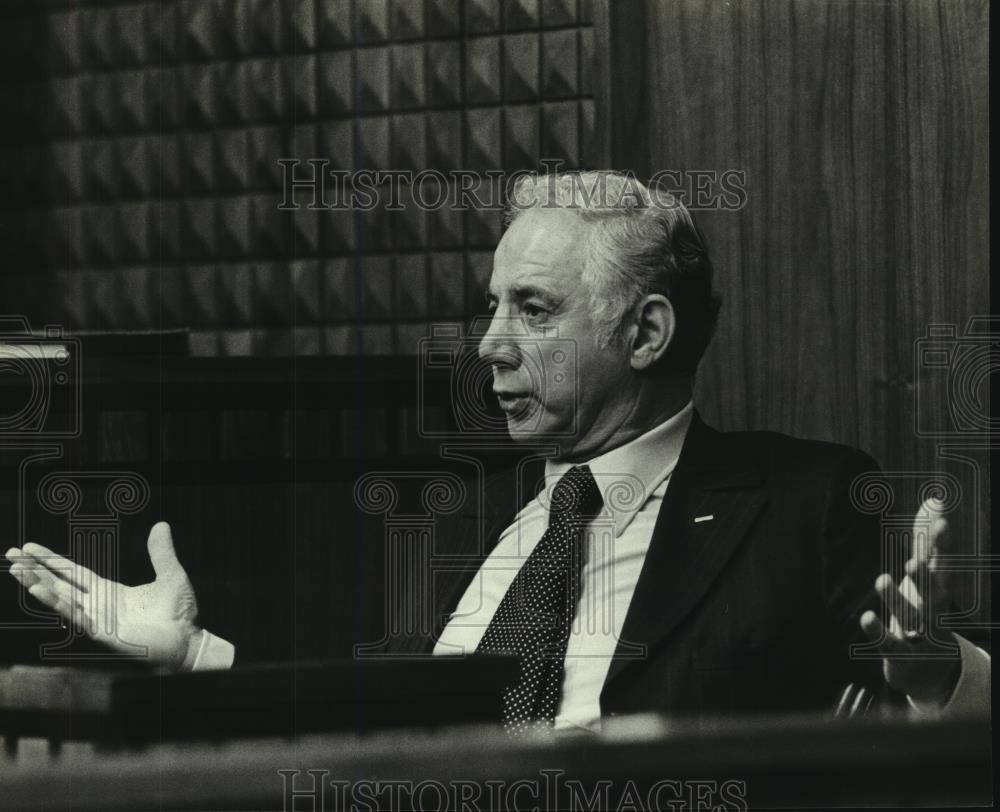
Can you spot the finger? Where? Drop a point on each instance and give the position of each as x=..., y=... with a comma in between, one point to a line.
x=934, y=587
x=161, y=551
x=63, y=589
x=876, y=632
x=930, y=528
x=24, y=575
x=30, y=570
x=930, y=577
x=915, y=586
x=941, y=579
x=899, y=610
x=62, y=567
x=941, y=536
x=73, y=612
x=53, y=592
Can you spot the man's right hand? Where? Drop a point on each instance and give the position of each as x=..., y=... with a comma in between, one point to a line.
x=159, y=616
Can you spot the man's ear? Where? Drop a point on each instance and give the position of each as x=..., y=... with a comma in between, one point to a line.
x=654, y=330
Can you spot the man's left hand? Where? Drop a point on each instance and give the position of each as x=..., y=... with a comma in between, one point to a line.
x=921, y=659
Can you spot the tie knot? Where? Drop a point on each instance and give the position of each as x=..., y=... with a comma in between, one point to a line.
x=576, y=495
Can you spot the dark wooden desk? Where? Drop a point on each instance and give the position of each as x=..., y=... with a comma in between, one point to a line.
x=123, y=742
x=119, y=710
x=790, y=763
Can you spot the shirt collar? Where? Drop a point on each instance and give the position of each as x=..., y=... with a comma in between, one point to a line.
x=628, y=475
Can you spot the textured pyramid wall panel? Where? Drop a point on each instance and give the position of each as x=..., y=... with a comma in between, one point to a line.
x=139, y=175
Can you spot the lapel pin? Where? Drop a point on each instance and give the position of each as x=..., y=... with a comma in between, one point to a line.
x=707, y=518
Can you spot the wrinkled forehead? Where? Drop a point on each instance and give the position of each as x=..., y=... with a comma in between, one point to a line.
x=552, y=242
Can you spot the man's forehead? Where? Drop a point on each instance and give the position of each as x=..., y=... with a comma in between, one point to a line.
x=540, y=244
x=528, y=277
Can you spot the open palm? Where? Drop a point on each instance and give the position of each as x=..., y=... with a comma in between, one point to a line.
x=154, y=620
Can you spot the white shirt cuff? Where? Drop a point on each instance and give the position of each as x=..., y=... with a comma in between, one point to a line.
x=972, y=691
x=214, y=653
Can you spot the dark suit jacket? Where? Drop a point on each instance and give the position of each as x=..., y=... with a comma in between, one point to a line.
x=754, y=610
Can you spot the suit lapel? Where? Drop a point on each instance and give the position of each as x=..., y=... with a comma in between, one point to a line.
x=711, y=479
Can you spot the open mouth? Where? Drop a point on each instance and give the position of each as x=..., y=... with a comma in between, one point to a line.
x=514, y=404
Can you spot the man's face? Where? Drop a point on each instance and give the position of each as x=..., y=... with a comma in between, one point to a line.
x=540, y=320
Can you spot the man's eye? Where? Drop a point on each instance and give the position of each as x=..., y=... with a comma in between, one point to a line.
x=533, y=311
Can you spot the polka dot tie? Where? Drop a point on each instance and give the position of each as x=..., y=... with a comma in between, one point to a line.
x=535, y=616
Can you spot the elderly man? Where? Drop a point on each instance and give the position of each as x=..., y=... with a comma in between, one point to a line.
x=651, y=563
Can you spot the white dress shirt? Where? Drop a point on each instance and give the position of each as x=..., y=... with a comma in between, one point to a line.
x=633, y=479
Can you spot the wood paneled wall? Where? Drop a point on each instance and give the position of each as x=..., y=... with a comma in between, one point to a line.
x=862, y=129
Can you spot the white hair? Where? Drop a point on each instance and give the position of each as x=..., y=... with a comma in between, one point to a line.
x=639, y=243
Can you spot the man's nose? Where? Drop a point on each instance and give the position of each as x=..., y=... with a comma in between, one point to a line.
x=499, y=345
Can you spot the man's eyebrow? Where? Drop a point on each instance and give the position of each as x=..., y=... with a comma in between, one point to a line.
x=522, y=292
x=531, y=292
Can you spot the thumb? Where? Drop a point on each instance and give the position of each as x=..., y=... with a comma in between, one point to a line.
x=161, y=551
